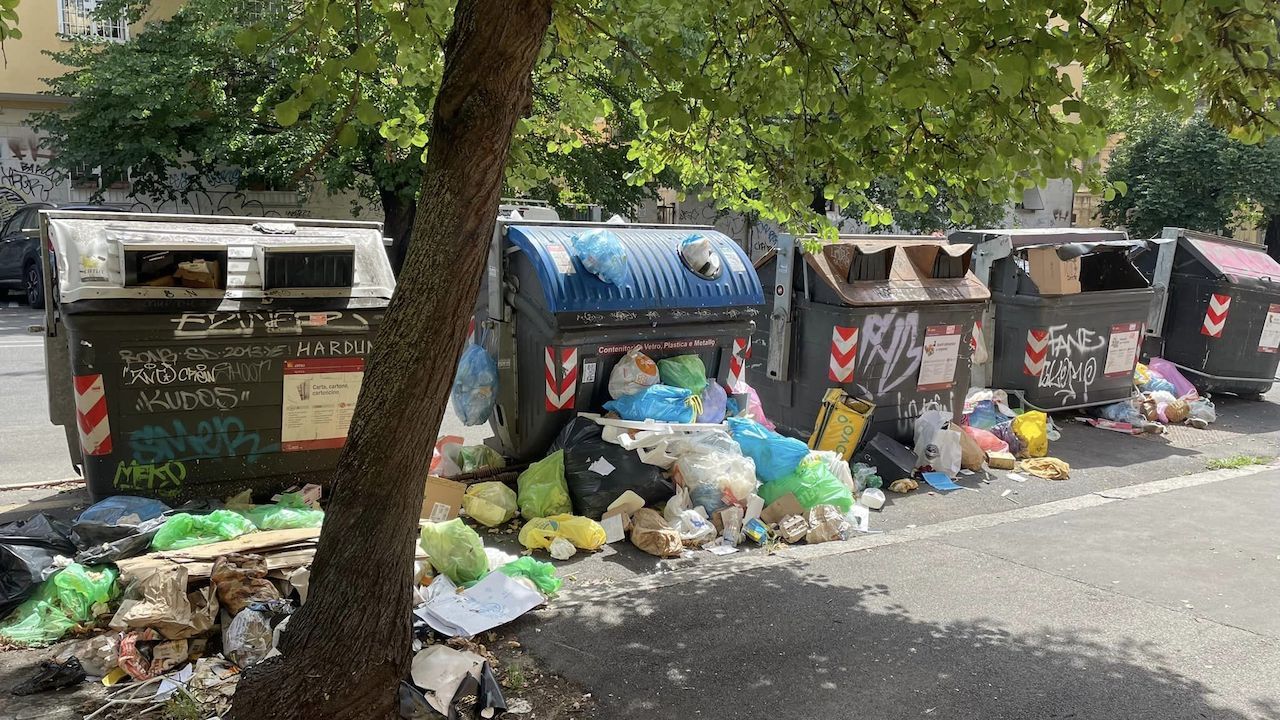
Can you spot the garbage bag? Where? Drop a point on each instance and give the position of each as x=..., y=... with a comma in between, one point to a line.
x=490, y=503
x=184, y=530
x=987, y=440
x=1122, y=411
x=27, y=551
x=287, y=513
x=136, y=543
x=541, y=490
x=584, y=533
x=475, y=387
x=651, y=533
x=455, y=551
x=634, y=372
x=717, y=480
x=478, y=458
x=839, y=467
x=693, y=526
x=813, y=484
x=241, y=579
x=1032, y=428
x=122, y=510
x=1167, y=370
x=1005, y=432
x=1159, y=384
x=1203, y=410
x=684, y=371
x=1141, y=375
x=67, y=599
x=986, y=415
x=663, y=403
x=754, y=410
x=715, y=403
x=598, y=472
x=972, y=456
x=441, y=464
x=775, y=456
x=541, y=574
x=602, y=254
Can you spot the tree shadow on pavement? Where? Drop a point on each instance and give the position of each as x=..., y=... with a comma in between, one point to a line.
x=784, y=642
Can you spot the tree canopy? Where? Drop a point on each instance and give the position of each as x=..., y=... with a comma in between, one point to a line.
x=1188, y=173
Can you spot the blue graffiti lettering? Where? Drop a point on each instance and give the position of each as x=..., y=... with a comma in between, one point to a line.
x=213, y=438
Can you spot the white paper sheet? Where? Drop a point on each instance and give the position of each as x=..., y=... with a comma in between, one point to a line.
x=495, y=600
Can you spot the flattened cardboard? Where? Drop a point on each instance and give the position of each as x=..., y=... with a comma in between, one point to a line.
x=1051, y=274
x=786, y=505
x=793, y=529
x=442, y=499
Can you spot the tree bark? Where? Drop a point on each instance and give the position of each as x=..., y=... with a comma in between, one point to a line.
x=347, y=649
x=398, y=213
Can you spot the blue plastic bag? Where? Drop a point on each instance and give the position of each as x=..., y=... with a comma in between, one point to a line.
x=775, y=456
x=602, y=254
x=657, y=402
x=986, y=415
x=714, y=403
x=111, y=510
x=475, y=387
x=1157, y=384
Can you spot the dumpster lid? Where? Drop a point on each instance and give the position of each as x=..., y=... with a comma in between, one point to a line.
x=1241, y=263
x=909, y=277
x=91, y=249
x=659, y=279
x=1043, y=237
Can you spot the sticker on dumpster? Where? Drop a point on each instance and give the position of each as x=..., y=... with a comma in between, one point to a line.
x=1270, y=340
x=318, y=402
x=560, y=256
x=844, y=354
x=589, y=372
x=1122, y=349
x=657, y=346
x=941, y=354
x=91, y=415
x=1215, y=318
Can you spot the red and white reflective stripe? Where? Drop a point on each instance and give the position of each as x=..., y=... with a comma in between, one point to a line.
x=1215, y=318
x=975, y=342
x=738, y=360
x=91, y=415
x=844, y=354
x=562, y=378
x=1037, y=350
x=471, y=332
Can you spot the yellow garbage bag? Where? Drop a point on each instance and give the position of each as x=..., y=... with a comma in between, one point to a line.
x=1032, y=428
x=584, y=533
x=1141, y=375
x=490, y=503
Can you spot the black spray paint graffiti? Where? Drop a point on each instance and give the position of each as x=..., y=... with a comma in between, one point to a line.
x=1071, y=363
x=166, y=373
x=159, y=478
x=274, y=322
x=214, y=398
x=217, y=437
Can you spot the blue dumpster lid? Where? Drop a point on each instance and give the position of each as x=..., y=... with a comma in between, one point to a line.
x=658, y=277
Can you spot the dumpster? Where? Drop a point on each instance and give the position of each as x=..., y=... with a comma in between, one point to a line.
x=888, y=319
x=1069, y=311
x=557, y=330
x=1220, y=319
x=194, y=356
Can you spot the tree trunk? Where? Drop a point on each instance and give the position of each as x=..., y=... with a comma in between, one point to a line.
x=398, y=212
x=347, y=649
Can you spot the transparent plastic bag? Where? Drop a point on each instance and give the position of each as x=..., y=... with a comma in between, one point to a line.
x=717, y=480
x=184, y=530
x=775, y=456
x=634, y=372
x=475, y=387
x=455, y=551
x=715, y=402
x=838, y=466
x=288, y=513
x=602, y=254
x=584, y=533
x=72, y=596
x=1167, y=370
x=813, y=484
x=542, y=490
x=541, y=574
x=490, y=503
x=662, y=403
x=1202, y=409
x=684, y=371
x=477, y=458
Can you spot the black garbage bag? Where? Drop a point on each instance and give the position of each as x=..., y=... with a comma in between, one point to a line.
x=51, y=675
x=27, y=550
x=117, y=528
x=591, y=491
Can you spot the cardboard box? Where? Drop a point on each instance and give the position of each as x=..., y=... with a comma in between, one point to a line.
x=1000, y=460
x=442, y=499
x=1051, y=274
x=793, y=529
x=780, y=508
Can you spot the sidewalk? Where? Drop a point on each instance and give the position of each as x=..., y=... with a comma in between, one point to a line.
x=1160, y=606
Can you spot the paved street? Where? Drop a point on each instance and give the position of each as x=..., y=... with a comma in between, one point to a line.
x=33, y=449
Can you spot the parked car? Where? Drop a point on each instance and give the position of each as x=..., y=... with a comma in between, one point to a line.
x=20, y=249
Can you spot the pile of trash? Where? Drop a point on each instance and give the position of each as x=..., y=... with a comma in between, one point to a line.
x=1165, y=397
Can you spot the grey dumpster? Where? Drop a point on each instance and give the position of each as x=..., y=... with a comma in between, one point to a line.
x=1219, y=321
x=557, y=330
x=1069, y=309
x=197, y=356
x=888, y=318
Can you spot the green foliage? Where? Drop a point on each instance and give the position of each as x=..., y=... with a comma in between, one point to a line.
x=9, y=22
x=936, y=213
x=1175, y=173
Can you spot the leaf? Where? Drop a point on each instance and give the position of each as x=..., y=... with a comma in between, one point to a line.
x=287, y=113
x=348, y=136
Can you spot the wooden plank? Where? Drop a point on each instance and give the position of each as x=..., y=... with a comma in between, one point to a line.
x=245, y=543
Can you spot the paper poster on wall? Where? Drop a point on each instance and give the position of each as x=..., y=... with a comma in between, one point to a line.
x=319, y=399
x=1122, y=350
x=939, y=358
x=1270, y=340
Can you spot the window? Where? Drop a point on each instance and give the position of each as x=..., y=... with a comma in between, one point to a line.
x=13, y=224
x=75, y=17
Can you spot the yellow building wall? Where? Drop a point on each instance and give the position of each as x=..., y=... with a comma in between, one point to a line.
x=28, y=65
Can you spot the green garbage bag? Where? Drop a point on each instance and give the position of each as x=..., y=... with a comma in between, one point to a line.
x=813, y=484
x=542, y=491
x=455, y=550
x=184, y=531
x=541, y=574
x=684, y=371
x=490, y=503
x=288, y=513
x=474, y=458
x=74, y=595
